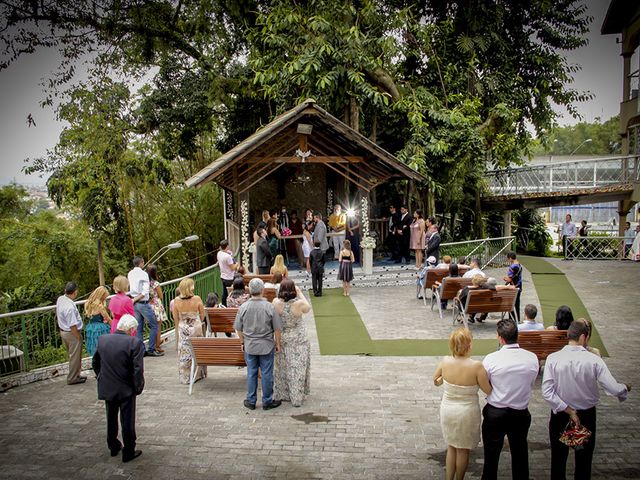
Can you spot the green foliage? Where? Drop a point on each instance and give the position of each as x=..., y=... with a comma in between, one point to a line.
x=605, y=139
x=531, y=233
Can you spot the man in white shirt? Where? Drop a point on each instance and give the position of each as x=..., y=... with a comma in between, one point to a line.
x=228, y=266
x=512, y=372
x=530, y=323
x=629, y=237
x=567, y=230
x=474, y=263
x=570, y=387
x=139, y=292
x=70, y=324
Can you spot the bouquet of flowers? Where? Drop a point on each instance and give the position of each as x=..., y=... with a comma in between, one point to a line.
x=285, y=231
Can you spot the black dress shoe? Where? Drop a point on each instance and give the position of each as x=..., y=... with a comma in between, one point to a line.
x=128, y=458
x=471, y=320
x=116, y=451
x=153, y=353
x=249, y=405
x=274, y=404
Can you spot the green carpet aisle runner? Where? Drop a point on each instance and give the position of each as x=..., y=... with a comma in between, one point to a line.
x=553, y=290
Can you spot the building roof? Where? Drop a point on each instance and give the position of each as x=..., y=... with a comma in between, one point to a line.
x=619, y=14
x=330, y=142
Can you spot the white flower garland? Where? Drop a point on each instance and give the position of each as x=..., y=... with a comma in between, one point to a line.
x=329, y=201
x=367, y=241
x=244, y=226
x=229, y=200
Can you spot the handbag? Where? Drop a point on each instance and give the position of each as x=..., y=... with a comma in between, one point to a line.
x=575, y=436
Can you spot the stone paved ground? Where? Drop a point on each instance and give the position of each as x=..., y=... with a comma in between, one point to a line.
x=367, y=417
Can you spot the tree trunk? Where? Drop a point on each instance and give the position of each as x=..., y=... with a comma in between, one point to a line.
x=478, y=224
x=354, y=114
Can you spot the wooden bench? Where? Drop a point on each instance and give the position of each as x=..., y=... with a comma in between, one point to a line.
x=436, y=275
x=449, y=288
x=268, y=293
x=247, y=277
x=501, y=300
x=543, y=343
x=225, y=352
x=221, y=320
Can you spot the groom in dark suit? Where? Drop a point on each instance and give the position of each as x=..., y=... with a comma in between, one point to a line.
x=316, y=267
x=433, y=244
x=118, y=364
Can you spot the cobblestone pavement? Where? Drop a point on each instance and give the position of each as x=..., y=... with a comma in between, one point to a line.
x=367, y=417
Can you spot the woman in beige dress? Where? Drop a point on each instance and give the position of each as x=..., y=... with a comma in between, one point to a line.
x=460, y=407
x=188, y=316
x=417, y=236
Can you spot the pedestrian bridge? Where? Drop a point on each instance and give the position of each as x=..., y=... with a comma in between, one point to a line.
x=565, y=183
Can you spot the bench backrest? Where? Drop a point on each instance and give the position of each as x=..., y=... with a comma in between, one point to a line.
x=451, y=285
x=543, y=343
x=268, y=293
x=221, y=319
x=248, y=276
x=437, y=274
x=490, y=301
x=217, y=351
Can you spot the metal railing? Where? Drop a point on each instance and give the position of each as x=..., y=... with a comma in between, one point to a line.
x=596, y=248
x=491, y=252
x=30, y=339
x=564, y=176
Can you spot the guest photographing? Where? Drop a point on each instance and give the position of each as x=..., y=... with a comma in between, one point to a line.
x=258, y=327
x=227, y=265
x=460, y=408
x=99, y=320
x=120, y=304
x=188, y=315
x=293, y=362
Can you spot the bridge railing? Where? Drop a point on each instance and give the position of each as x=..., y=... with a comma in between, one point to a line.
x=490, y=252
x=30, y=338
x=596, y=248
x=564, y=176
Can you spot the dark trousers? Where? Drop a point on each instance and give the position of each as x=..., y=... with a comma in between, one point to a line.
x=316, y=281
x=403, y=243
x=127, y=410
x=516, y=307
x=498, y=422
x=225, y=292
x=559, y=451
x=264, y=270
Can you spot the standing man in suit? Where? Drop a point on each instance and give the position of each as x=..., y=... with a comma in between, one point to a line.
x=316, y=266
x=403, y=234
x=391, y=240
x=263, y=252
x=433, y=244
x=119, y=366
x=512, y=371
x=320, y=233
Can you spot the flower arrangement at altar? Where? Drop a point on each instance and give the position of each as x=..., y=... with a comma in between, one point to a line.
x=367, y=240
x=285, y=231
x=244, y=226
x=251, y=248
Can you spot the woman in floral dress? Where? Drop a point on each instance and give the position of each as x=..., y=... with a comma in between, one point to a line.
x=293, y=362
x=188, y=315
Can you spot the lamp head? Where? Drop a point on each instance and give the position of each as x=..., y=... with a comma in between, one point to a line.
x=190, y=238
x=174, y=245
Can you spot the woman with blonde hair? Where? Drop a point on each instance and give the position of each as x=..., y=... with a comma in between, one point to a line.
x=460, y=408
x=120, y=303
x=99, y=319
x=279, y=267
x=188, y=315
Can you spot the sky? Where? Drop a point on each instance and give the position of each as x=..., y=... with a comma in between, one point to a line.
x=21, y=92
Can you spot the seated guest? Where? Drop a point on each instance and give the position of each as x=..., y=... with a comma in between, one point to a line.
x=530, y=323
x=474, y=263
x=238, y=294
x=478, y=282
x=275, y=281
x=430, y=264
x=212, y=301
x=446, y=261
x=240, y=270
x=564, y=318
x=453, y=273
x=279, y=267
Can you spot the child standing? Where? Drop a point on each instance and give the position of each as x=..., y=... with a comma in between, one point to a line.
x=346, y=266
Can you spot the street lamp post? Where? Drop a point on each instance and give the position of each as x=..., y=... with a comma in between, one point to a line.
x=588, y=140
x=172, y=246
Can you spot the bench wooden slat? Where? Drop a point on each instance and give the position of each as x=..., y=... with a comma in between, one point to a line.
x=448, y=290
x=221, y=319
x=247, y=277
x=210, y=351
x=500, y=300
x=543, y=343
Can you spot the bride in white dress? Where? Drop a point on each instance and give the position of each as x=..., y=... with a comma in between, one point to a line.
x=460, y=407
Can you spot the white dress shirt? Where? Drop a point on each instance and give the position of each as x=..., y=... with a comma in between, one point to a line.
x=629, y=236
x=568, y=229
x=139, y=283
x=225, y=261
x=67, y=314
x=530, y=326
x=512, y=372
x=571, y=378
x=473, y=272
